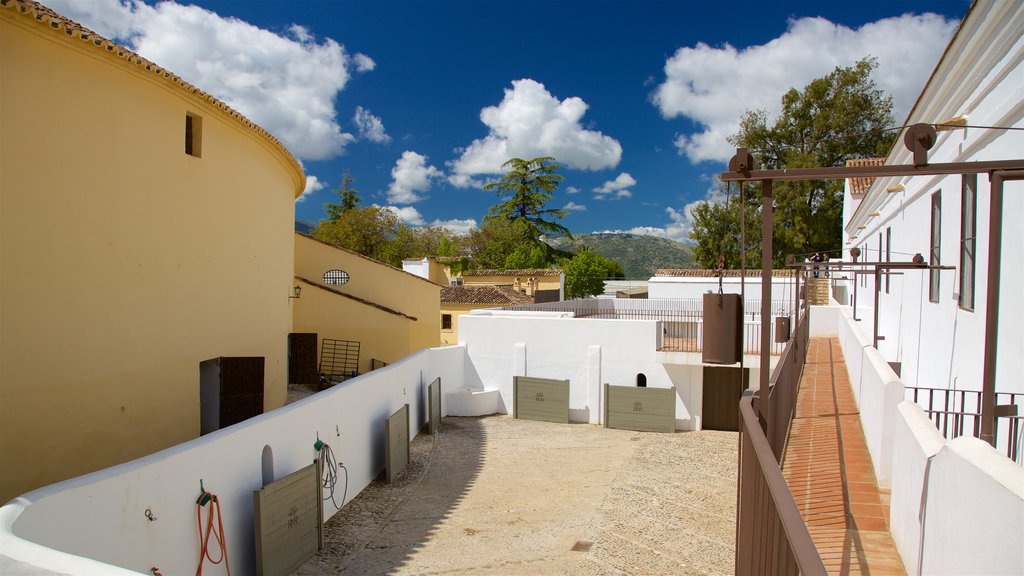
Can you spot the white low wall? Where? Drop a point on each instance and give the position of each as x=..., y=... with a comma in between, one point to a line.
x=587, y=352
x=96, y=523
x=876, y=388
x=956, y=507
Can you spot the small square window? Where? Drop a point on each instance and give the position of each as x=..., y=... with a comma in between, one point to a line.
x=446, y=321
x=193, y=135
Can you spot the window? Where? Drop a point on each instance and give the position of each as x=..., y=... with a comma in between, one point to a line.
x=446, y=321
x=935, y=250
x=193, y=135
x=968, y=219
x=335, y=277
x=888, y=254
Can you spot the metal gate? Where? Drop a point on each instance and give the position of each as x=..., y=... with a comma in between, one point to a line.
x=540, y=399
x=723, y=388
x=339, y=360
x=641, y=409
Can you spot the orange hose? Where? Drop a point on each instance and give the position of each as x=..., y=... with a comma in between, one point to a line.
x=218, y=533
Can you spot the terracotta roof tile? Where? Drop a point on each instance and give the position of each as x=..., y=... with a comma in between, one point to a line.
x=704, y=273
x=523, y=272
x=483, y=295
x=858, y=186
x=58, y=23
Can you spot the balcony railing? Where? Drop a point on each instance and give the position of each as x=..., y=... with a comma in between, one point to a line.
x=771, y=536
x=957, y=413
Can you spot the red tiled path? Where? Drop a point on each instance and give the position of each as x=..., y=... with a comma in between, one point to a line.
x=829, y=471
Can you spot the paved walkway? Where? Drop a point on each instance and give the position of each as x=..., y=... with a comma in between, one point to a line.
x=496, y=495
x=829, y=470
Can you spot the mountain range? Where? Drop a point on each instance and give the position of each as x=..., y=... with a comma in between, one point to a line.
x=640, y=256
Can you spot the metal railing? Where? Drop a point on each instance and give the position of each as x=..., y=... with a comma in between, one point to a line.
x=957, y=413
x=688, y=336
x=771, y=535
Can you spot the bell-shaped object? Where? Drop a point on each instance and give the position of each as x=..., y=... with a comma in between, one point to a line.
x=723, y=329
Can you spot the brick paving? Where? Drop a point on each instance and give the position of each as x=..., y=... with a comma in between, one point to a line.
x=829, y=470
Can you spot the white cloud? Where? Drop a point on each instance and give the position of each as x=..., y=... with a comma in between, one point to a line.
x=617, y=189
x=412, y=217
x=285, y=84
x=312, y=185
x=678, y=229
x=574, y=207
x=411, y=176
x=572, y=190
x=530, y=122
x=714, y=86
x=363, y=62
x=370, y=127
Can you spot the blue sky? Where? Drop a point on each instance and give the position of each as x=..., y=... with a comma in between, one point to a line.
x=421, y=101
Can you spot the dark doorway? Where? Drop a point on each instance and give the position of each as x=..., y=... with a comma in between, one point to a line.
x=230, y=391
x=723, y=387
x=302, y=358
x=641, y=380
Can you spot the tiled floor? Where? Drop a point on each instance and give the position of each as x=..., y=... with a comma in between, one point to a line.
x=829, y=471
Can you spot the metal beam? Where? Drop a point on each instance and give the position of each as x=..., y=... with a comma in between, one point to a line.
x=842, y=172
x=766, y=301
x=995, y=252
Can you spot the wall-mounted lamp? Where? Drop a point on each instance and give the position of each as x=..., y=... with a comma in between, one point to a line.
x=298, y=292
x=895, y=188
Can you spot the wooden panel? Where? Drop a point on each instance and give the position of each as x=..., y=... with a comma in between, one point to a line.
x=434, y=405
x=287, y=521
x=302, y=358
x=642, y=409
x=722, y=391
x=396, y=447
x=540, y=399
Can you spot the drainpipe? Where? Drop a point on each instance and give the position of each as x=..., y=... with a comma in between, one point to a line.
x=995, y=250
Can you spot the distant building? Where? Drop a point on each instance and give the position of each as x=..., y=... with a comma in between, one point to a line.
x=460, y=299
x=542, y=284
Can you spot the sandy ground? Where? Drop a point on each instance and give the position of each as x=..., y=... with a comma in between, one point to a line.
x=495, y=495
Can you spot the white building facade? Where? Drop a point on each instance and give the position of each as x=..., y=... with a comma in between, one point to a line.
x=933, y=323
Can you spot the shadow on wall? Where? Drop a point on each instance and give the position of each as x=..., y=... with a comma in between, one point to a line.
x=380, y=530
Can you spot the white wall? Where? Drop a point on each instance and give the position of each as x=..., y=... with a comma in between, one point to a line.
x=938, y=343
x=101, y=516
x=587, y=352
x=679, y=287
x=956, y=507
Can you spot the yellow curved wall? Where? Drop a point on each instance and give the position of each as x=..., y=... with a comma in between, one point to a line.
x=124, y=262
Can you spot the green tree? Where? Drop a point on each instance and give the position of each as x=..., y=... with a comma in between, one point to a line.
x=835, y=118
x=369, y=231
x=586, y=272
x=527, y=186
x=527, y=256
x=349, y=199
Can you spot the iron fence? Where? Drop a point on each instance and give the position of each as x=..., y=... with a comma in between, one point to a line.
x=957, y=413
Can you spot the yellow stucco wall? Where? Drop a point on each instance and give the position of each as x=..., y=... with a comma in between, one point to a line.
x=124, y=262
x=456, y=310
x=375, y=282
